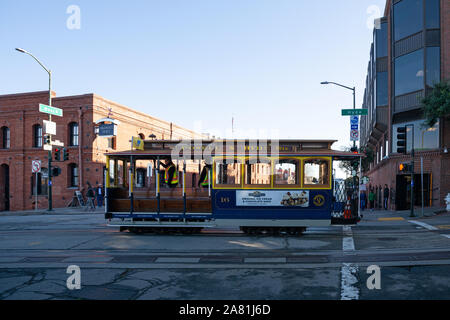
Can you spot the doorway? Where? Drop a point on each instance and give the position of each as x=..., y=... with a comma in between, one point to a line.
x=403, y=191
x=4, y=188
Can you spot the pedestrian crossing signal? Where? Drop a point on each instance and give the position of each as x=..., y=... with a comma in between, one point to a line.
x=404, y=167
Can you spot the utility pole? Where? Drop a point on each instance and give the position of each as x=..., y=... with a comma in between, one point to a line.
x=50, y=201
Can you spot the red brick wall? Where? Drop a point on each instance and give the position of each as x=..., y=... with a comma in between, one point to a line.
x=20, y=112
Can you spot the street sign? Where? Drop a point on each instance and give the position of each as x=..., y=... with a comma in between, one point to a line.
x=48, y=147
x=107, y=130
x=354, y=127
x=58, y=143
x=354, y=135
x=354, y=120
x=355, y=112
x=49, y=127
x=36, y=166
x=50, y=110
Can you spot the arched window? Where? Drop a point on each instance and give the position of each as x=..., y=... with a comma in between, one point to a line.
x=5, y=139
x=73, y=175
x=37, y=136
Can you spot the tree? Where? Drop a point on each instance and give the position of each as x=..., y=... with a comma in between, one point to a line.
x=437, y=104
x=350, y=165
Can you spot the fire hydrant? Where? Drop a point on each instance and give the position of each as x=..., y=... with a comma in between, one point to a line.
x=447, y=199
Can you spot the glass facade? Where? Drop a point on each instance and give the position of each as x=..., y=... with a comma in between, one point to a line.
x=381, y=41
x=409, y=73
x=382, y=89
x=408, y=18
x=424, y=138
x=433, y=67
x=432, y=14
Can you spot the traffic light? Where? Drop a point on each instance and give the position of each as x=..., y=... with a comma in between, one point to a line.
x=65, y=154
x=47, y=139
x=354, y=150
x=401, y=140
x=404, y=167
x=56, y=171
x=57, y=154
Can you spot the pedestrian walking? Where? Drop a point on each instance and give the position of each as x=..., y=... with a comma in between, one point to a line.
x=90, y=196
x=363, y=199
x=386, y=196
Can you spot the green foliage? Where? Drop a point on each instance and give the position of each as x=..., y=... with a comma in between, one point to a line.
x=437, y=104
x=348, y=166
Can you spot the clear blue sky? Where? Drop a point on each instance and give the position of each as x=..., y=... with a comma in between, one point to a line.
x=187, y=60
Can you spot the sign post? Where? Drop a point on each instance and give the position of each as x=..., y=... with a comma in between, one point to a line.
x=36, y=168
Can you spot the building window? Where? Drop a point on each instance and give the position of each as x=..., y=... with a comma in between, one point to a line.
x=37, y=136
x=382, y=89
x=112, y=143
x=408, y=18
x=432, y=13
x=409, y=73
x=73, y=175
x=73, y=134
x=424, y=138
x=433, y=67
x=6, y=139
x=42, y=183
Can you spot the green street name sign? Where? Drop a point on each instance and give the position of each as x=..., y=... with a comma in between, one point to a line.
x=50, y=110
x=354, y=112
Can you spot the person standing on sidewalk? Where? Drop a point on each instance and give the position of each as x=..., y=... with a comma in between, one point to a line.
x=372, y=199
x=386, y=196
x=99, y=192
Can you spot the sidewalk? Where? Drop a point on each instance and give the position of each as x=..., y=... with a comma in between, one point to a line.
x=429, y=212
x=56, y=211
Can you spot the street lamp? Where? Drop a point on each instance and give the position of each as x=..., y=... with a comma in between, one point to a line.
x=354, y=97
x=50, y=203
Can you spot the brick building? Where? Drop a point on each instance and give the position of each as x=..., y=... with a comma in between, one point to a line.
x=21, y=141
x=409, y=54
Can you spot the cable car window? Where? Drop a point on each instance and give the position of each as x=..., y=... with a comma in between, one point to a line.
x=286, y=172
x=316, y=172
x=258, y=172
x=228, y=173
x=140, y=178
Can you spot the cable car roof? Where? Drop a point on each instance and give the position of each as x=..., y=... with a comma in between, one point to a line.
x=154, y=149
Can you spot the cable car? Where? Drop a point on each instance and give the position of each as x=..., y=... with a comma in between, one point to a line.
x=259, y=186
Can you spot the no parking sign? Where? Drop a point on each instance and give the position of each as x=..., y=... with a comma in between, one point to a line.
x=36, y=166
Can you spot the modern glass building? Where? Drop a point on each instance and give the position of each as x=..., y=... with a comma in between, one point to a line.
x=409, y=55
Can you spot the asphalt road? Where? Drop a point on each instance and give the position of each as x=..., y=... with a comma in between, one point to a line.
x=413, y=257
